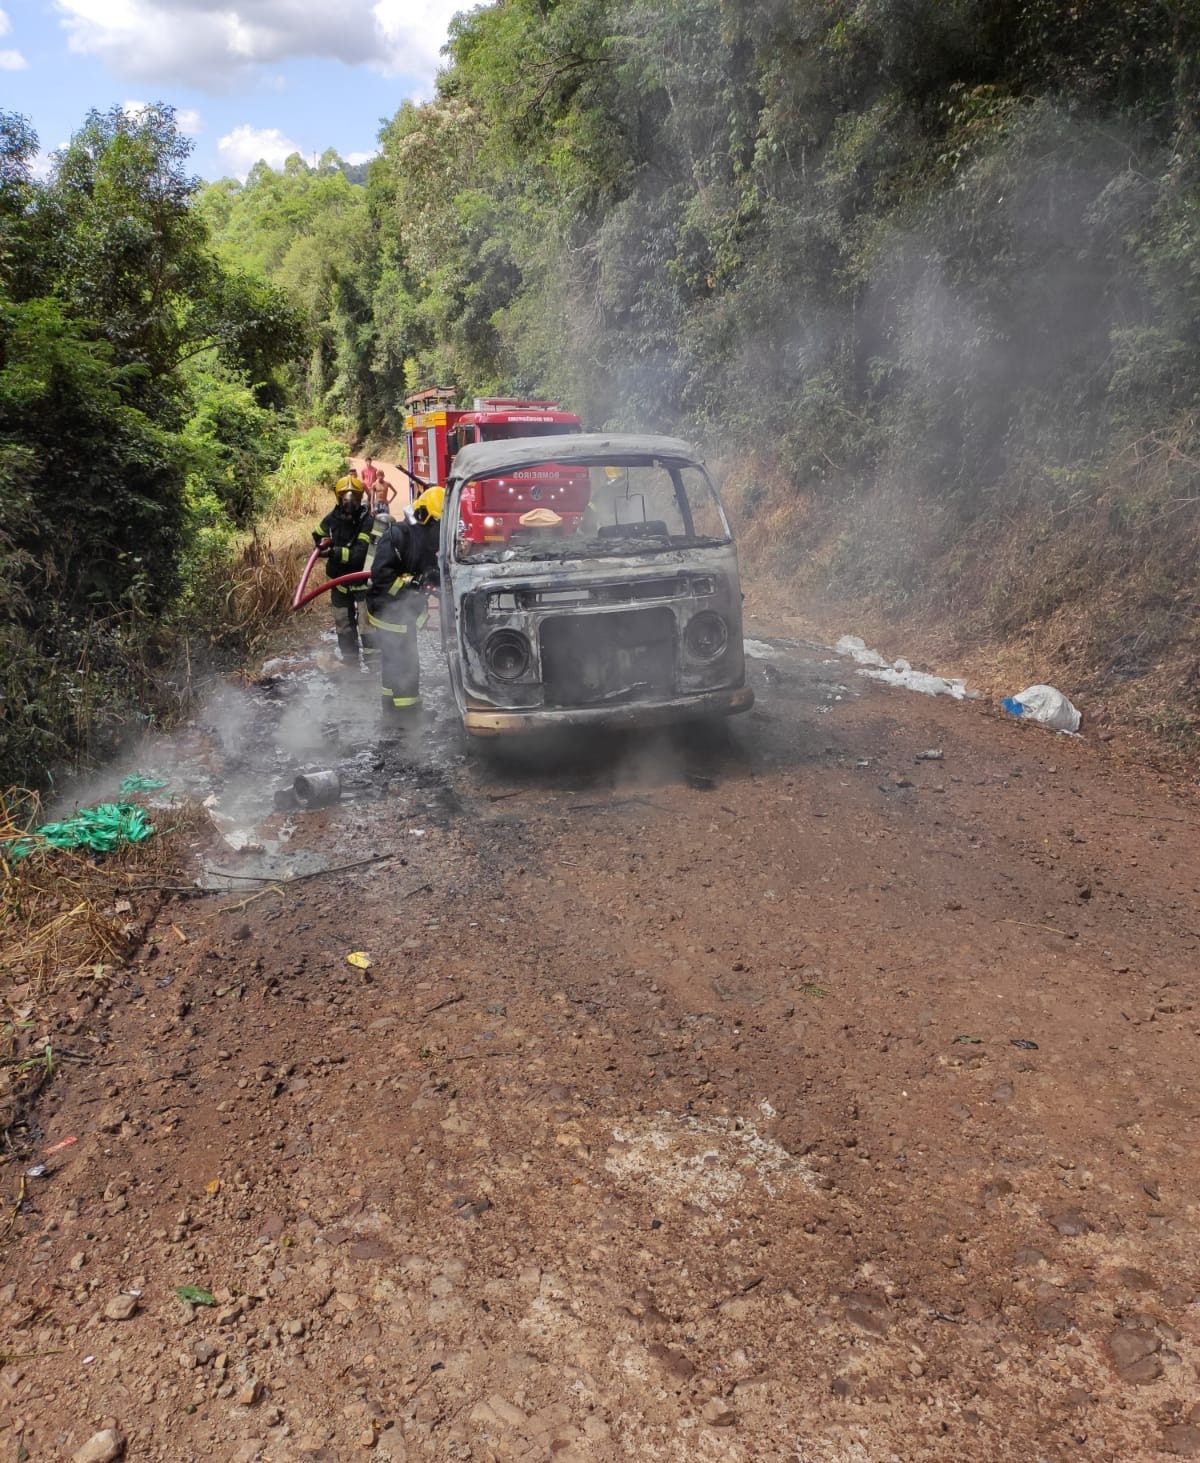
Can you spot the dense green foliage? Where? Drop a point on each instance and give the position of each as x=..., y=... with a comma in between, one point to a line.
x=137, y=387
x=873, y=229
x=314, y=459
x=308, y=230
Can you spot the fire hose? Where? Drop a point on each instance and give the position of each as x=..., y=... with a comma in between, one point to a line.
x=308, y=568
x=300, y=598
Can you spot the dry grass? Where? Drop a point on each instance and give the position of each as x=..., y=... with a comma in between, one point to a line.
x=300, y=500
x=254, y=594
x=259, y=592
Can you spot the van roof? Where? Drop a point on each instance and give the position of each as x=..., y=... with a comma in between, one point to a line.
x=485, y=459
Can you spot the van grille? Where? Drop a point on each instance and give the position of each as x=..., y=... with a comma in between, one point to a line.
x=675, y=586
x=607, y=659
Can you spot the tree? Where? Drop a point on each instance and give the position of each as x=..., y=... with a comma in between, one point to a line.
x=136, y=377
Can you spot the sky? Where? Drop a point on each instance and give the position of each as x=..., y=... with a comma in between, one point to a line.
x=249, y=79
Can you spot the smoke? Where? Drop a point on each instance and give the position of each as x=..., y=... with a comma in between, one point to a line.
x=246, y=741
x=989, y=329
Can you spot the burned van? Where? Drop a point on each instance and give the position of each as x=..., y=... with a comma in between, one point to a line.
x=604, y=591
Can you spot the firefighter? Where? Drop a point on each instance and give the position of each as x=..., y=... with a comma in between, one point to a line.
x=405, y=564
x=345, y=531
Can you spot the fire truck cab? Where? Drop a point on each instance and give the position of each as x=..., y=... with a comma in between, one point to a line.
x=435, y=430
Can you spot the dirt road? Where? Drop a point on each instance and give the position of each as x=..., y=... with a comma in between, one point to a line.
x=772, y=1097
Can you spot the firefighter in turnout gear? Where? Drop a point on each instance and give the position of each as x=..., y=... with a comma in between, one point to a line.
x=404, y=566
x=345, y=531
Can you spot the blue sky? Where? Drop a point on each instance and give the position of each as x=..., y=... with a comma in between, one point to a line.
x=250, y=79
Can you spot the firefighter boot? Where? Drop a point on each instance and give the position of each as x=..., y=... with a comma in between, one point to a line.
x=401, y=712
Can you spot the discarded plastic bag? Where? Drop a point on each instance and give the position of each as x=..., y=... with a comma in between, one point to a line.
x=195, y=1295
x=1044, y=705
x=99, y=829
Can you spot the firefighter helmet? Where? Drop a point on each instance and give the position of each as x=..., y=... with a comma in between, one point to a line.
x=350, y=483
x=429, y=505
x=539, y=518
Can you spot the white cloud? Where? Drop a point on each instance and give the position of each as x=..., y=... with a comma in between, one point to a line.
x=354, y=158
x=246, y=145
x=12, y=61
x=215, y=44
x=414, y=34
x=5, y=23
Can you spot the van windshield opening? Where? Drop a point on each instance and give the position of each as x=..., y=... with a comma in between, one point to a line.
x=595, y=510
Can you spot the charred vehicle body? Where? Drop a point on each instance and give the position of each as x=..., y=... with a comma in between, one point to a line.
x=609, y=594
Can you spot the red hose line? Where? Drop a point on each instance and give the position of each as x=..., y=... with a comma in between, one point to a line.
x=308, y=568
x=300, y=601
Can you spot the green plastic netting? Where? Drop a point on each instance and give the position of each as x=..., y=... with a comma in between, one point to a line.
x=139, y=782
x=99, y=829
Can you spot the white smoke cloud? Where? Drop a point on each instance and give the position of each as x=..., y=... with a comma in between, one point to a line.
x=215, y=45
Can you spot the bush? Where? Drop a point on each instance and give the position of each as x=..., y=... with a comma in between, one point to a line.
x=234, y=445
x=312, y=461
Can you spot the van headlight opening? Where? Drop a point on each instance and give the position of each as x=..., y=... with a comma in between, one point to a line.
x=707, y=635
x=507, y=655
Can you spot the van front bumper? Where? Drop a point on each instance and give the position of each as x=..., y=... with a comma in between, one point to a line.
x=486, y=721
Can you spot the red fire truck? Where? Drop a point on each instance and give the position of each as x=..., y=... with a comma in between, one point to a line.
x=434, y=430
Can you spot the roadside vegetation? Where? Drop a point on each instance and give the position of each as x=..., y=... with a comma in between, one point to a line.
x=146, y=432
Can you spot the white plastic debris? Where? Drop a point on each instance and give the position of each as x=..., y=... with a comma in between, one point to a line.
x=900, y=672
x=1046, y=706
x=852, y=646
x=758, y=649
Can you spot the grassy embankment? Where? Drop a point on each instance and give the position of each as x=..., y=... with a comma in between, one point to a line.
x=1088, y=584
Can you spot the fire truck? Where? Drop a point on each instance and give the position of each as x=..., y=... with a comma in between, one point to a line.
x=491, y=510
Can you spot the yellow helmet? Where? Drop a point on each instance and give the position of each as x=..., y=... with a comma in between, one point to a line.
x=539, y=518
x=429, y=505
x=350, y=483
